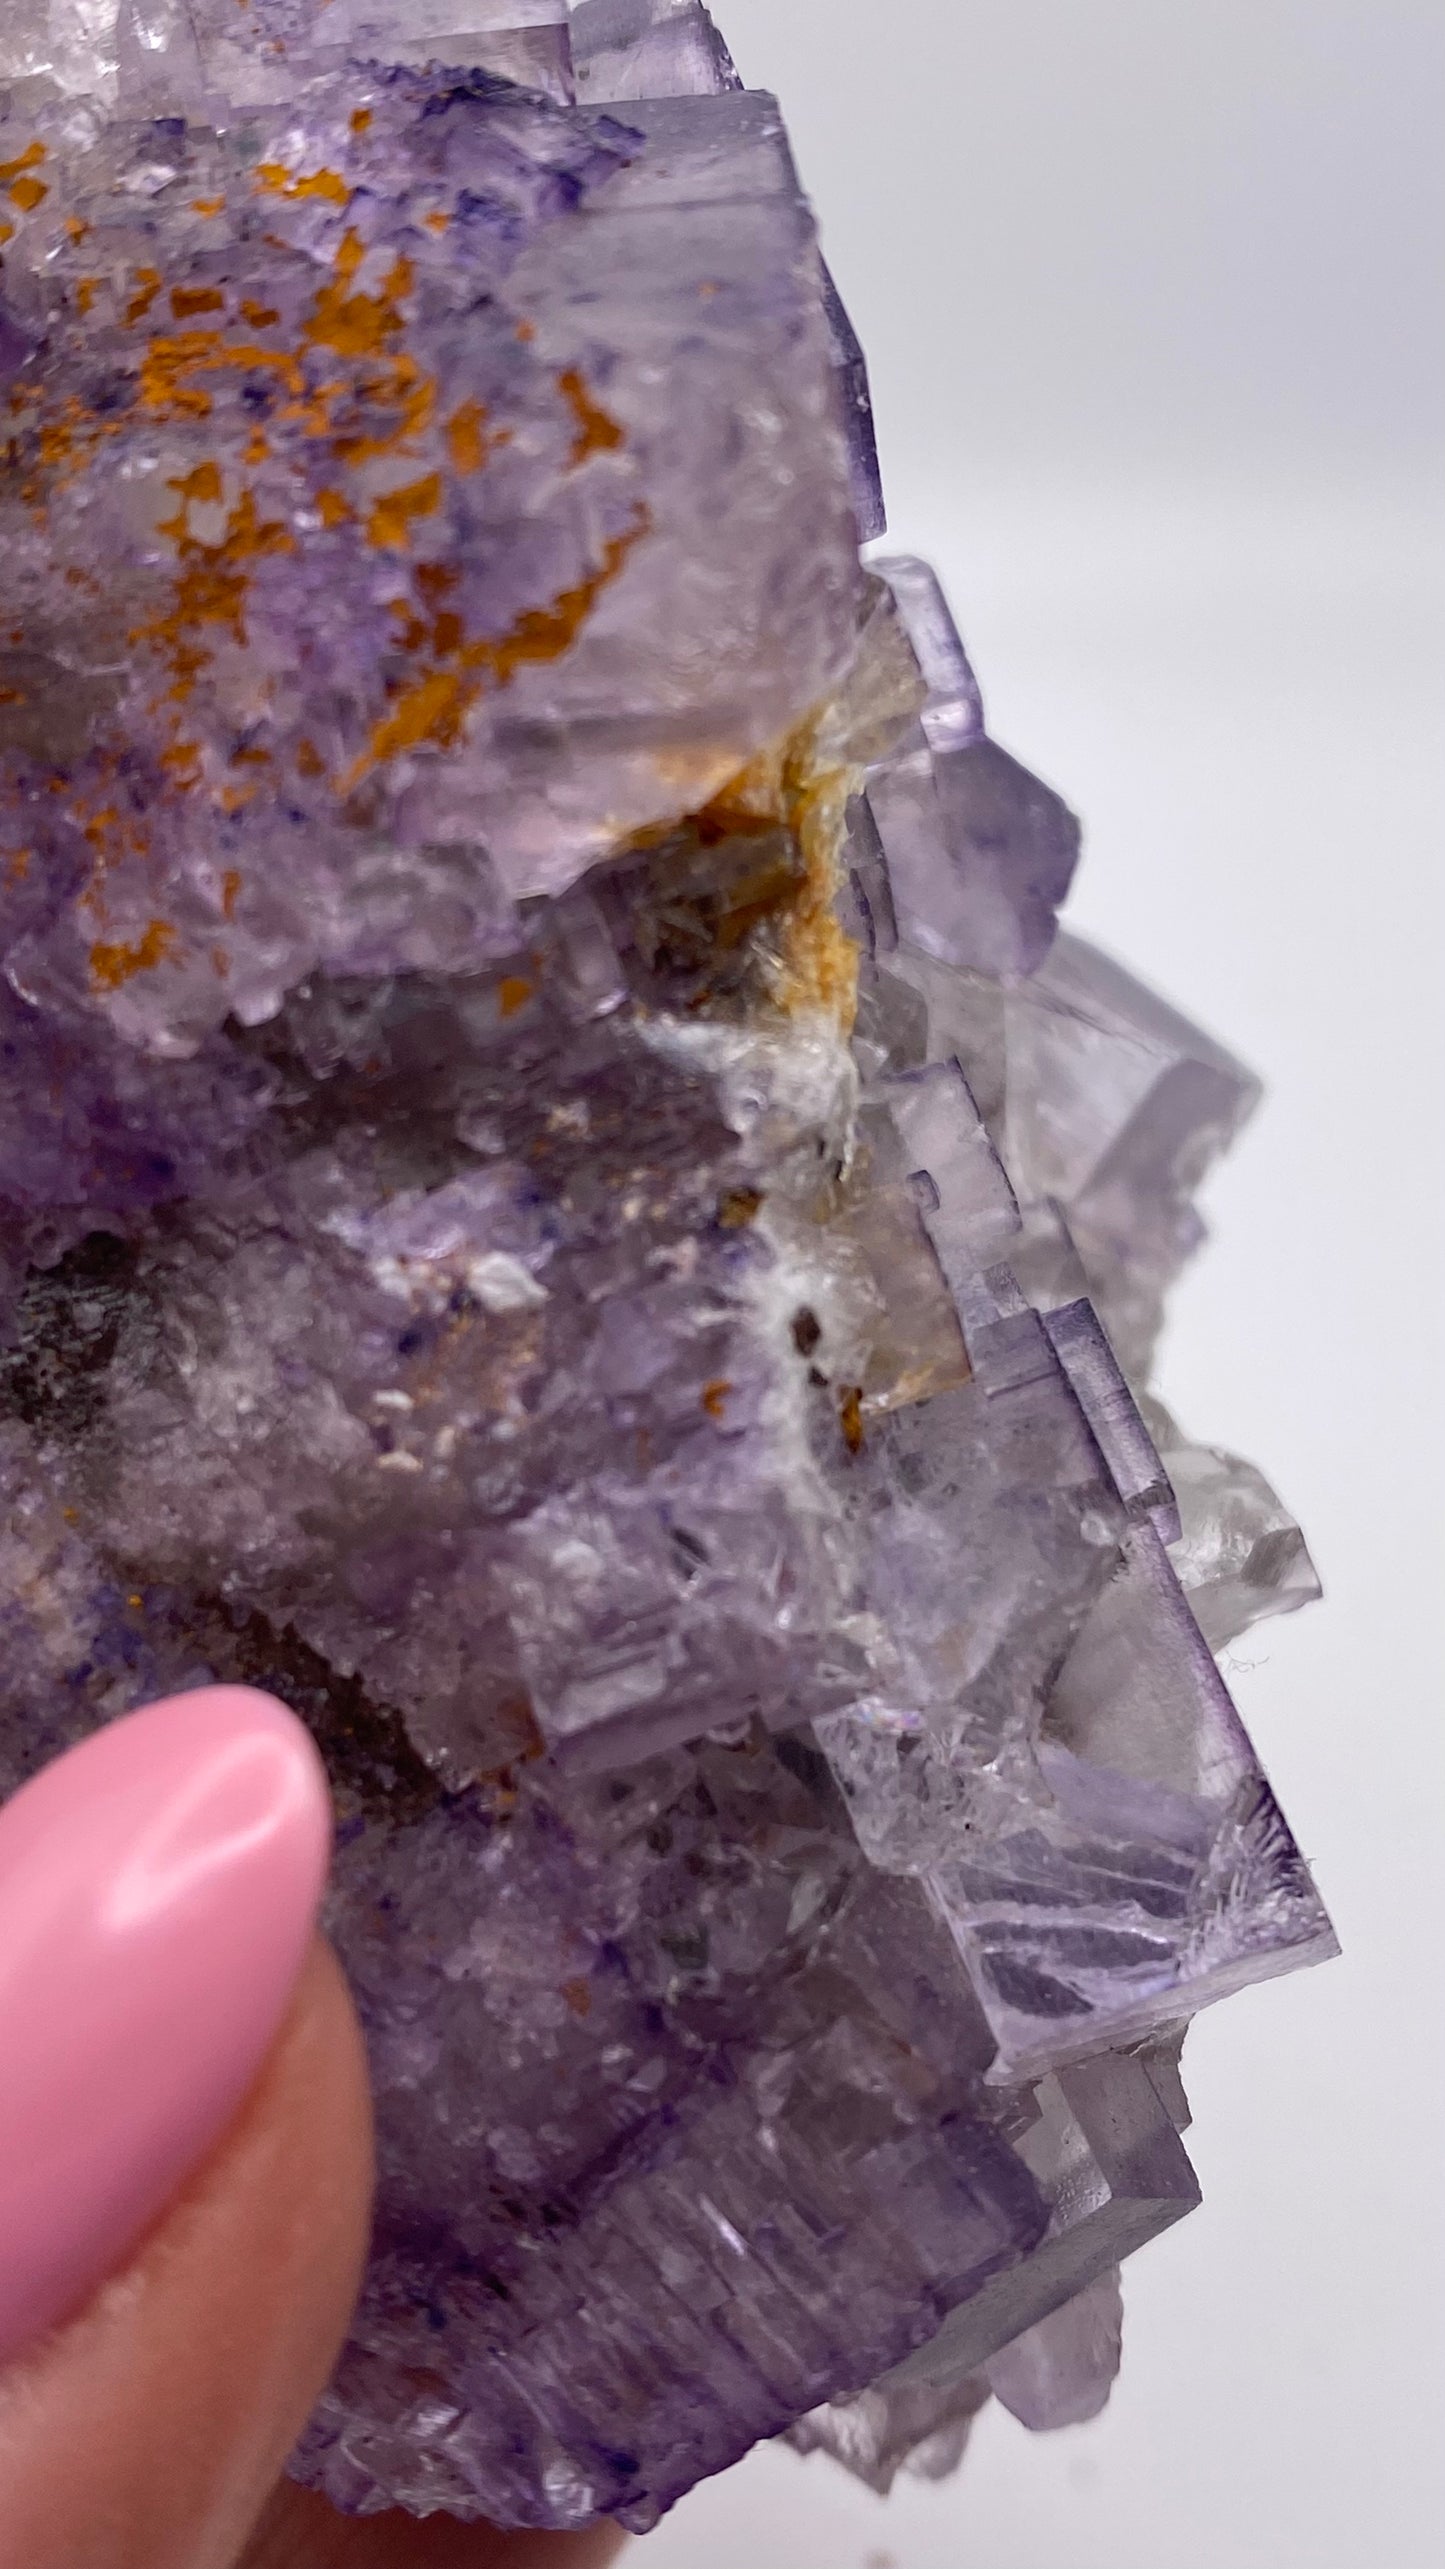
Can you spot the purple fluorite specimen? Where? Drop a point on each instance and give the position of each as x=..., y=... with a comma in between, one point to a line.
x=566, y=1208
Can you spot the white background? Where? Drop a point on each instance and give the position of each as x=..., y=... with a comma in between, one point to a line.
x=1153, y=293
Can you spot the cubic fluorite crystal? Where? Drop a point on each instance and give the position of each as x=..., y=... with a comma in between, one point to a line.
x=567, y=1209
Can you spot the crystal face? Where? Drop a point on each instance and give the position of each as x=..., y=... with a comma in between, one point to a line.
x=568, y=1209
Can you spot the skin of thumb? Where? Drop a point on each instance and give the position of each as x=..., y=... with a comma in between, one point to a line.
x=299, y=2532
x=149, y=2431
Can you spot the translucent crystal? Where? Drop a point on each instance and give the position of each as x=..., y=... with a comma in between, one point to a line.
x=884, y=2431
x=74, y=44
x=1118, y=1109
x=649, y=49
x=1240, y=1555
x=1044, y=2336
x=563, y=1207
x=1061, y=2371
x=979, y=853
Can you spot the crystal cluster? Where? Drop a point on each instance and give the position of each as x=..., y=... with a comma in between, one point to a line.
x=566, y=1208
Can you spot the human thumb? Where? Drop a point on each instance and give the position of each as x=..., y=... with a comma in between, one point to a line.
x=185, y=2156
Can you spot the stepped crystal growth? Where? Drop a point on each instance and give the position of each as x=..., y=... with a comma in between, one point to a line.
x=567, y=1209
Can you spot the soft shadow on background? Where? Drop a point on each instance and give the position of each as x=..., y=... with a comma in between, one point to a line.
x=1153, y=291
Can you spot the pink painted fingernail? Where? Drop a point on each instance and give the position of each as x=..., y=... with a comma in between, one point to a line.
x=158, y=1893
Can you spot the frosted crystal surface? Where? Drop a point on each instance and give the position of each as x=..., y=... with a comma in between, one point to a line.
x=565, y=1205
x=649, y=49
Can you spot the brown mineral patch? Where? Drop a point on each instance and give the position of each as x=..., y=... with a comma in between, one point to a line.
x=395, y=513
x=740, y=1207
x=467, y=440
x=789, y=806
x=431, y=711
x=173, y=360
x=354, y=324
x=213, y=582
x=203, y=482
x=32, y=158
x=597, y=432
x=189, y=300
x=113, y=965
x=148, y=283
x=275, y=179
x=544, y=633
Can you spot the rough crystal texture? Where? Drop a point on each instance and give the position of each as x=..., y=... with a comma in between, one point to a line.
x=564, y=1206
